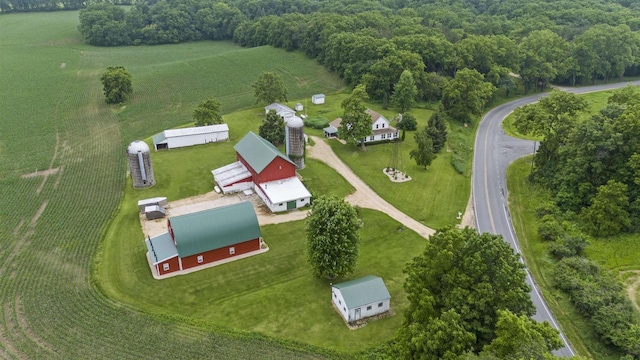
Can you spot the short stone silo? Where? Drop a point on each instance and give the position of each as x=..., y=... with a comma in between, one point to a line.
x=295, y=141
x=140, y=164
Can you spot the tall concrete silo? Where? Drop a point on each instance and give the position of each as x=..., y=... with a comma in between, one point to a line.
x=140, y=164
x=295, y=141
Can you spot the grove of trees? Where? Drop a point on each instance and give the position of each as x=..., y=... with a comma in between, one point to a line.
x=591, y=166
x=374, y=42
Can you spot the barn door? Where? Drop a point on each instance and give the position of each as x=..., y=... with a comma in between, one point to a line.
x=291, y=205
x=357, y=314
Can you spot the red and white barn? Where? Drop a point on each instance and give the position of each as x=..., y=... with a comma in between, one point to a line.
x=263, y=168
x=203, y=237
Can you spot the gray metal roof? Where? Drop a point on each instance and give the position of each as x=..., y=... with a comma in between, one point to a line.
x=258, y=152
x=159, y=138
x=161, y=248
x=216, y=228
x=365, y=290
x=231, y=173
x=330, y=130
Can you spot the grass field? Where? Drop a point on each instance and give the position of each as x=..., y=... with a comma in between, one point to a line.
x=54, y=117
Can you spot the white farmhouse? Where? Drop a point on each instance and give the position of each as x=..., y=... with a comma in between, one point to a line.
x=360, y=298
x=175, y=138
x=380, y=128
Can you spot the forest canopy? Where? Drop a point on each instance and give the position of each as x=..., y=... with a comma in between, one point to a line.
x=375, y=41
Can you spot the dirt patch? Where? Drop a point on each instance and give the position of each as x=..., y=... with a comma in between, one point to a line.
x=63, y=65
x=632, y=285
x=469, y=217
x=36, y=216
x=40, y=173
x=16, y=230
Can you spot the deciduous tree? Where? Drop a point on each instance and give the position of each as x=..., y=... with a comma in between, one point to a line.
x=466, y=95
x=475, y=275
x=116, y=82
x=356, y=123
x=608, y=214
x=333, y=235
x=269, y=88
x=207, y=113
x=272, y=128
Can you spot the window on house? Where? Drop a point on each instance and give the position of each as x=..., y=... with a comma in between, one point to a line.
x=368, y=307
x=335, y=296
x=340, y=302
x=384, y=135
x=165, y=266
x=379, y=304
x=371, y=138
x=383, y=125
x=232, y=250
x=345, y=309
x=376, y=126
x=200, y=259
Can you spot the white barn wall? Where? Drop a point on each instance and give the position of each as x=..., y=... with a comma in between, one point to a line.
x=190, y=140
x=280, y=206
x=338, y=300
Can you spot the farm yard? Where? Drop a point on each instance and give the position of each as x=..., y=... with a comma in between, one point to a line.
x=54, y=117
x=75, y=282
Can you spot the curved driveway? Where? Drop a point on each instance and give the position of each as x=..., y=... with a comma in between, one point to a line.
x=494, y=151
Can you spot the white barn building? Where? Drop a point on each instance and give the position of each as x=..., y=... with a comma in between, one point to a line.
x=285, y=194
x=360, y=298
x=175, y=138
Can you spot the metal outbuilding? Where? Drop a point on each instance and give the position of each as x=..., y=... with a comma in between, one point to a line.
x=360, y=298
x=175, y=138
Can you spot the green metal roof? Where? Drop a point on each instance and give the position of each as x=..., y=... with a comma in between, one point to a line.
x=215, y=228
x=161, y=248
x=258, y=152
x=363, y=291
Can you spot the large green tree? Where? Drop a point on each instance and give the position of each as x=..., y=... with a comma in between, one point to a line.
x=116, y=82
x=269, y=88
x=207, y=113
x=356, y=123
x=608, y=213
x=545, y=56
x=272, y=128
x=474, y=275
x=424, y=154
x=466, y=95
x=333, y=236
x=405, y=92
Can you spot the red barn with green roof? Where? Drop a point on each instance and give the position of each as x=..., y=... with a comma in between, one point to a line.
x=263, y=160
x=204, y=237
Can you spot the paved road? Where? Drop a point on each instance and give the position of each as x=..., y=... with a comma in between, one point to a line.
x=494, y=151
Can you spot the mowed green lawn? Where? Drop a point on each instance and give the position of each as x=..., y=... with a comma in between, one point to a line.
x=52, y=114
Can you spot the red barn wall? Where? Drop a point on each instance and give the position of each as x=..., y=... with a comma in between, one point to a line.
x=278, y=169
x=220, y=254
x=174, y=265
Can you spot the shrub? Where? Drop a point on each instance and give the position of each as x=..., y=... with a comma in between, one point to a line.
x=567, y=246
x=550, y=229
x=316, y=122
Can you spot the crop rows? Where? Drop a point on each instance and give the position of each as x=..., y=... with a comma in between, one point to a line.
x=50, y=305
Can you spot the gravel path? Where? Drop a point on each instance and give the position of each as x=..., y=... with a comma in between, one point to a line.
x=363, y=196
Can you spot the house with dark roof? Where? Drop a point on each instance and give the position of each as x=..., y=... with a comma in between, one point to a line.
x=360, y=298
x=266, y=170
x=204, y=237
x=380, y=128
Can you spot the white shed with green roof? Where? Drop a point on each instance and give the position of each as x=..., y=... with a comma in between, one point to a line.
x=360, y=298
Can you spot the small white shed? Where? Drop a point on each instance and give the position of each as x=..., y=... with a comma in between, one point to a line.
x=175, y=138
x=317, y=99
x=360, y=298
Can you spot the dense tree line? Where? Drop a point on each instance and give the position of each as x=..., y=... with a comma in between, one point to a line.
x=591, y=166
x=373, y=42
